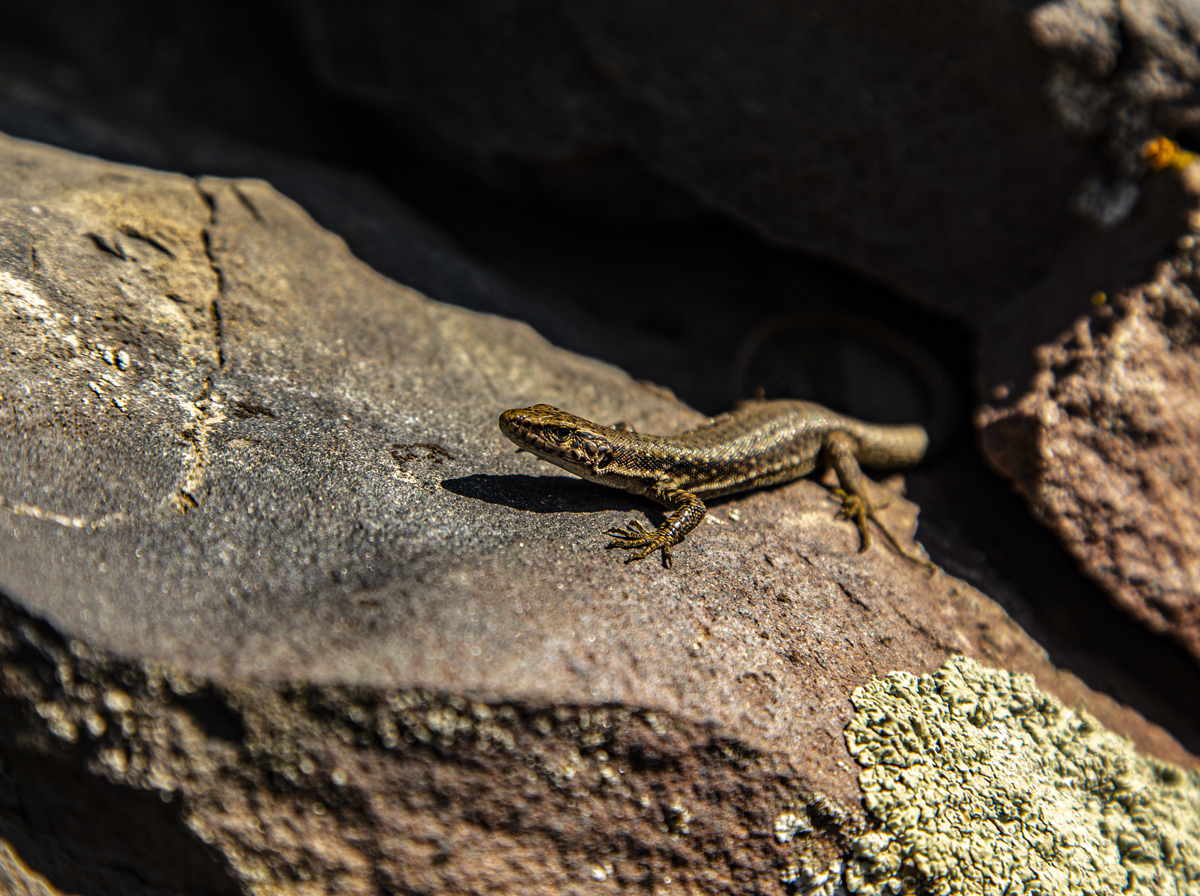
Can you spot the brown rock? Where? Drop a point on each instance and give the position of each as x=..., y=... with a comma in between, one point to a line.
x=1104, y=446
x=280, y=598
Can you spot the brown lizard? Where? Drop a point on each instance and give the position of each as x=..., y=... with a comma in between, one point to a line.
x=759, y=443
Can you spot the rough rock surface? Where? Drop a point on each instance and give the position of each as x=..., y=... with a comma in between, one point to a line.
x=1104, y=445
x=278, y=594
x=843, y=166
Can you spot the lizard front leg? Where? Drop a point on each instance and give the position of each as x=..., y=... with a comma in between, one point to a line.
x=689, y=511
x=856, y=500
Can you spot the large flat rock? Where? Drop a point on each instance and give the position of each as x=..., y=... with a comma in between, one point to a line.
x=265, y=554
x=630, y=216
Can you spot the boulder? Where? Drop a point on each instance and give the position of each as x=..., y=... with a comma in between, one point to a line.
x=1103, y=443
x=879, y=140
x=283, y=611
x=639, y=185
x=883, y=139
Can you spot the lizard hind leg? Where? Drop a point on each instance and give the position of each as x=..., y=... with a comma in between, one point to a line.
x=858, y=511
x=856, y=502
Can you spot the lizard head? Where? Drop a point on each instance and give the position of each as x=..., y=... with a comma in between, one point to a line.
x=575, y=444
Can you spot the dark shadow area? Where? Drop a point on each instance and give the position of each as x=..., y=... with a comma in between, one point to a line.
x=699, y=304
x=87, y=836
x=213, y=717
x=82, y=833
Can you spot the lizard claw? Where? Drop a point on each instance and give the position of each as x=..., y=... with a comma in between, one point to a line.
x=857, y=509
x=634, y=531
x=634, y=536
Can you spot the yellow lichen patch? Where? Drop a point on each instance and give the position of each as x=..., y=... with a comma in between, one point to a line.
x=982, y=784
x=1162, y=153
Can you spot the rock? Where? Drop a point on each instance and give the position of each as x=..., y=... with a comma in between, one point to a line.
x=18, y=879
x=559, y=276
x=1103, y=446
x=878, y=140
x=280, y=597
x=874, y=138
x=910, y=198
x=1014, y=266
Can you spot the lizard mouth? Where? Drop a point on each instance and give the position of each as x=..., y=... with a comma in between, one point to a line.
x=531, y=435
x=517, y=426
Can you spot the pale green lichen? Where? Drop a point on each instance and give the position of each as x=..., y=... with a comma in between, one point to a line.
x=788, y=825
x=982, y=784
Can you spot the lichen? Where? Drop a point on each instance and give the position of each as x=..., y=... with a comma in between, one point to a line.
x=983, y=784
x=788, y=825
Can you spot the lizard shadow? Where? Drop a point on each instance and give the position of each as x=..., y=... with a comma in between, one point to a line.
x=561, y=494
x=543, y=494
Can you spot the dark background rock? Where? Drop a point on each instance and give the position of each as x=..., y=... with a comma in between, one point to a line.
x=574, y=243
x=874, y=139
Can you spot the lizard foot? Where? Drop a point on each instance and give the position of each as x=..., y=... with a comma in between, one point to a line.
x=857, y=509
x=636, y=537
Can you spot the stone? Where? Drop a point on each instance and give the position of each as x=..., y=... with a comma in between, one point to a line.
x=883, y=140
x=1089, y=221
x=1103, y=446
x=875, y=137
x=279, y=596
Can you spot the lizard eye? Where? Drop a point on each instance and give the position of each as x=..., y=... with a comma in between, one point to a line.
x=562, y=433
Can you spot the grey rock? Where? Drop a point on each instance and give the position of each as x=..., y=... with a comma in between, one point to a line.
x=875, y=136
x=980, y=158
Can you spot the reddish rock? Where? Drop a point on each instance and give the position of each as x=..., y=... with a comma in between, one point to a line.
x=1104, y=446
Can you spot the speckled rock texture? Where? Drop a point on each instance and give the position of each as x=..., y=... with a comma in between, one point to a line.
x=1104, y=443
x=279, y=597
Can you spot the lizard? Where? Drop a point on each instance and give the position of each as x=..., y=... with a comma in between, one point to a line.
x=758, y=444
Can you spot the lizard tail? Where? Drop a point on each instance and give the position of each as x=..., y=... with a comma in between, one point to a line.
x=889, y=446
x=944, y=396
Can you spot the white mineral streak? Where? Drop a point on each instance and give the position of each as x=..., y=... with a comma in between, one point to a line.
x=982, y=784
